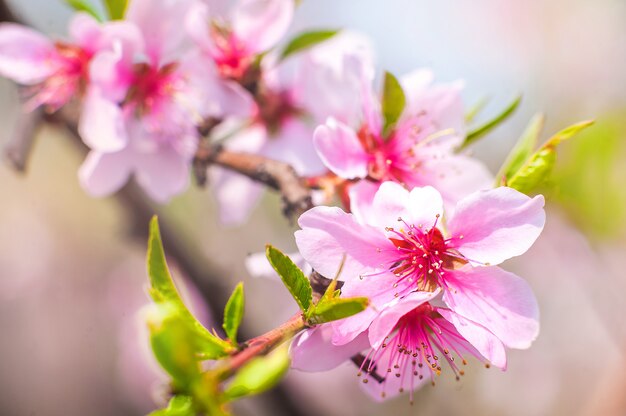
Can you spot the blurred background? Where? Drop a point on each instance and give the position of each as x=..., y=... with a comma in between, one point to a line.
x=73, y=277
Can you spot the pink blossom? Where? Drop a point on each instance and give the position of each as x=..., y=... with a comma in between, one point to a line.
x=407, y=343
x=292, y=98
x=55, y=72
x=400, y=244
x=418, y=151
x=141, y=112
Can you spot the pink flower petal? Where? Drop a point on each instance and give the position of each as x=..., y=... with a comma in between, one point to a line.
x=498, y=300
x=496, y=225
x=162, y=174
x=340, y=149
x=387, y=320
x=86, y=31
x=328, y=232
x=486, y=343
x=261, y=24
x=160, y=23
x=102, y=174
x=26, y=57
x=455, y=176
x=197, y=25
x=316, y=342
x=101, y=124
x=361, y=197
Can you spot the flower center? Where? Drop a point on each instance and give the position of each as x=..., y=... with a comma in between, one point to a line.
x=418, y=346
x=230, y=54
x=274, y=107
x=70, y=78
x=151, y=86
x=423, y=256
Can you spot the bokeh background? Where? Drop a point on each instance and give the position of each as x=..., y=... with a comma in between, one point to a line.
x=72, y=275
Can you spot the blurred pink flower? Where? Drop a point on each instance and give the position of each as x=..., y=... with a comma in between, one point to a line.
x=141, y=111
x=418, y=151
x=384, y=262
x=294, y=96
x=55, y=72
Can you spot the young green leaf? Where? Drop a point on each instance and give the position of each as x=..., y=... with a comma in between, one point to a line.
x=536, y=169
x=337, y=308
x=179, y=405
x=163, y=290
x=291, y=275
x=173, y=343
x=233, y=313
x=260, y=374
x=393, y=102
x=116, y=8
x=306, y=40
x=87, y=7
x=522, y=150
x=487, y=127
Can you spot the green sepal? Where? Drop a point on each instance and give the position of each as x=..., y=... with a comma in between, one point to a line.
x=306, y=40
x=260, y=374
x=488, y=126
x=335, y=308
x=291, y=275
x=233, y=313
x=392, y=103
x=163, y=290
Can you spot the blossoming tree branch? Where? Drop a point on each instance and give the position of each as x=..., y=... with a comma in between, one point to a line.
x=402, y=232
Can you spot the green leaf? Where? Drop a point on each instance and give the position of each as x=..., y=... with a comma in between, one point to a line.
x=291, y=275
x=178, y=406
x=163, y=290
x=337, y=308
x=87, y=7
x=116, y=8
x=233, y=313
x=306, y=40
x=173, y=342
x=260, y=374
x=393, y=101
x=487, y=127
x=537, y=168
x=522, y=150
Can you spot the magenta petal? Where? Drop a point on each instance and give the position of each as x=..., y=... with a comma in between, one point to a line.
x=262, y=23
x=340, y=149
x=86, y=31
x=496, y=225
x=328, y=232
x=486, y=343
x=101, y=174
x=313, y=350
x=26, y=57
x=386, y=321
x=496, y=299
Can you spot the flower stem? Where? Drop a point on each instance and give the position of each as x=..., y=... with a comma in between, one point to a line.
x=261, y=345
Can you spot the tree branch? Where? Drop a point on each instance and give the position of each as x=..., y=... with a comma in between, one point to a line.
x=277, y=175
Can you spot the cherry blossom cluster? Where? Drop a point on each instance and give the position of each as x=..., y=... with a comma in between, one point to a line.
x=422, y=230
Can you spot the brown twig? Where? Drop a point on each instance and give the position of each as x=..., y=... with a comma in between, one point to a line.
x=20, y=145
x=276, y=175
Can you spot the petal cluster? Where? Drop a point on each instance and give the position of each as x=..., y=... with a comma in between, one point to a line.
x=437, y=292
